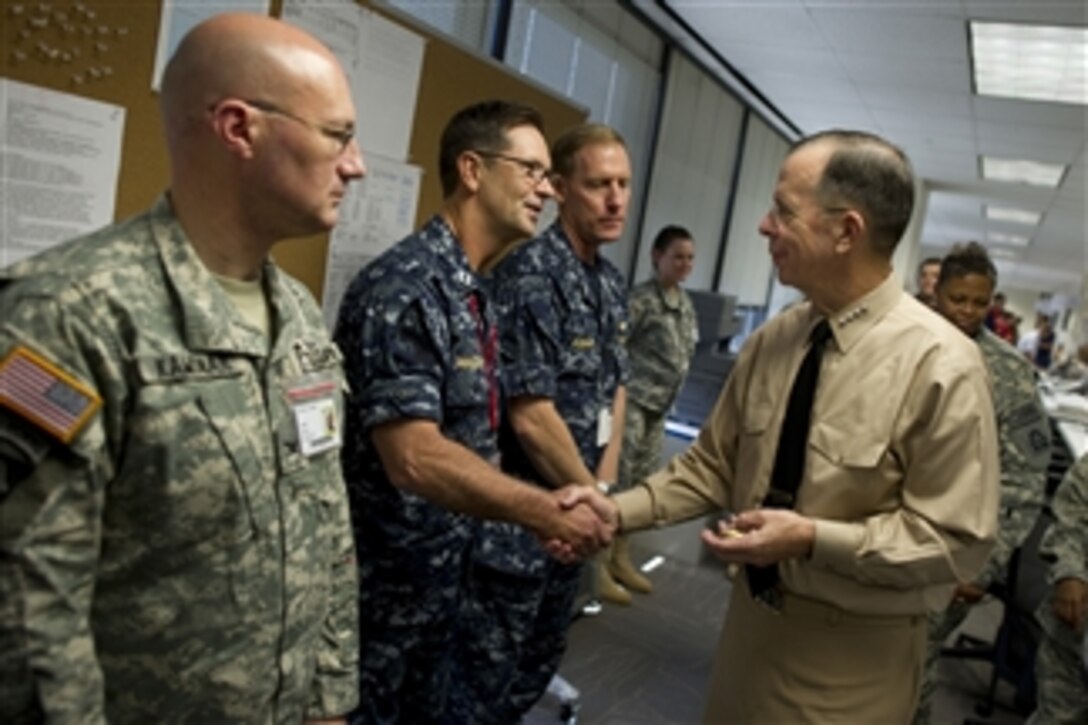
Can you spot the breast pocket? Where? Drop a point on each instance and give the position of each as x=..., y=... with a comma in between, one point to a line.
x=582, y=355
x=850, y=458
x=467, y=394
x=856, y=447
x=750, y=464
x=192, y=469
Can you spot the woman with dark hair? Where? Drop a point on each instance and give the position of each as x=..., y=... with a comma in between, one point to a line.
x=661, y=339
x=965, y=288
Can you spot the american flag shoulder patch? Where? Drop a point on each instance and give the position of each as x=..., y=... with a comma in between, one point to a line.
x=48, y=397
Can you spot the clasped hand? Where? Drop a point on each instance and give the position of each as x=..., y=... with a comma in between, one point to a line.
x=761, y=537
x=584, y=522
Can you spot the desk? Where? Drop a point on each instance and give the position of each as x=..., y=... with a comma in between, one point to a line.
x=1075, y=436
x=1062, y=407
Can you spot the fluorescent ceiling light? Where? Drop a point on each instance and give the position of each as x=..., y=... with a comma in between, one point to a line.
x=1023, y=172
x=1031, y=62
x=1015, y=240
x=1002, y=253
x=1017, y=216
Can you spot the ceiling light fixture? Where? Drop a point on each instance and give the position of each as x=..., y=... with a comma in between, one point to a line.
x=1031, y=62
x=1022, y=171
x=1014, y=240
x=1008, y=214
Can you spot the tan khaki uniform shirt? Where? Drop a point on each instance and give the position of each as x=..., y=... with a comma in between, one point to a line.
x=902, y=468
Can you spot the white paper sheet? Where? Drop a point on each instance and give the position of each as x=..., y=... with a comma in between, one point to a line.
x=339, y=24
x=61, y=155
x=387, y=85
x=181, y=16
x=382, y=60
x=377, y=213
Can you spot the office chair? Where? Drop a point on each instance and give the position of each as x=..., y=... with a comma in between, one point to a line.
x=1012, y=653
x=1061, y=458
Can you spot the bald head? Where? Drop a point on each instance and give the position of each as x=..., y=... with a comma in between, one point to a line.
x=244, y=56
x=260, y=129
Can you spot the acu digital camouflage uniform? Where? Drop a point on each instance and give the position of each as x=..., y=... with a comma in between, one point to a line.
x=1060, y=669
x=563, y=326
x=180, y=560
x=660, y=342
x=1024, y=439
x=413, y=350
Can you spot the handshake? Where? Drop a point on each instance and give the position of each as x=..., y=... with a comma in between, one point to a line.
x=582, y=522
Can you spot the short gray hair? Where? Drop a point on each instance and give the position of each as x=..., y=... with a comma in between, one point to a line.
x=872, y=174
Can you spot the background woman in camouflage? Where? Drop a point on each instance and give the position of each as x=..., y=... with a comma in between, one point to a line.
x=660, y=342
x=965, y=289
x=1060, y=667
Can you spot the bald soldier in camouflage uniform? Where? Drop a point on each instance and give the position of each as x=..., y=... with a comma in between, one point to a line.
x=1060, y=668
x=418, y=333
x=175, y=543
x=964, y=288
x=563, y=323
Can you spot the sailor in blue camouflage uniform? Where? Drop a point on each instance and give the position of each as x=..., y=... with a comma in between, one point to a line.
x=421, y=353
x=963, y=294
x=175, y=543
x=563, y=320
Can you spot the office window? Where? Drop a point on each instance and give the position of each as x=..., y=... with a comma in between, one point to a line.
x=693, y=166
x=469, y=21
x=746, y=266
x=601, y=57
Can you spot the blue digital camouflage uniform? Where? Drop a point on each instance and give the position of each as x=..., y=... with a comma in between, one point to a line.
x=413, y=350
x=1060, y=668
x=563, y=326
x=660, y=343
x=1023, y=432
x=180, y=559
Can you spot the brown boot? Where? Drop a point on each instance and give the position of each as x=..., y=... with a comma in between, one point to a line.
x=607, y=588
x=623, y=571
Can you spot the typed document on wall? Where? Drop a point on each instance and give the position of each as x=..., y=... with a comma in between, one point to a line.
x=378, y=212
x=60, y=156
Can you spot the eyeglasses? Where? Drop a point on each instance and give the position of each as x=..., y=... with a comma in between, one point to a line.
x=342, y=136
x=535, y=170
x=780, y=213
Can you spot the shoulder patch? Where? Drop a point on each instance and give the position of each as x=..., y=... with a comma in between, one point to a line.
x=42, y=393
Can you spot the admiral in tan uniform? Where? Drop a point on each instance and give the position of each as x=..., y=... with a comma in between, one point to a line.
x=175, y=542
x=898, y=498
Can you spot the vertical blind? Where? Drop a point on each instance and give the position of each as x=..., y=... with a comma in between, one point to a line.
x=693, y=166
x=746, y=266
x=600, y=57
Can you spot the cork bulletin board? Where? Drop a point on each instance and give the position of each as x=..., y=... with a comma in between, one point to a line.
x=105, y=50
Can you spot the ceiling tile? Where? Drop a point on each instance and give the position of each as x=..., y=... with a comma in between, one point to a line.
x=1035, y=113
x=911, y=72
x=919, y=102
x=888, y=32
x=777, y=24
x=1055, y=12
